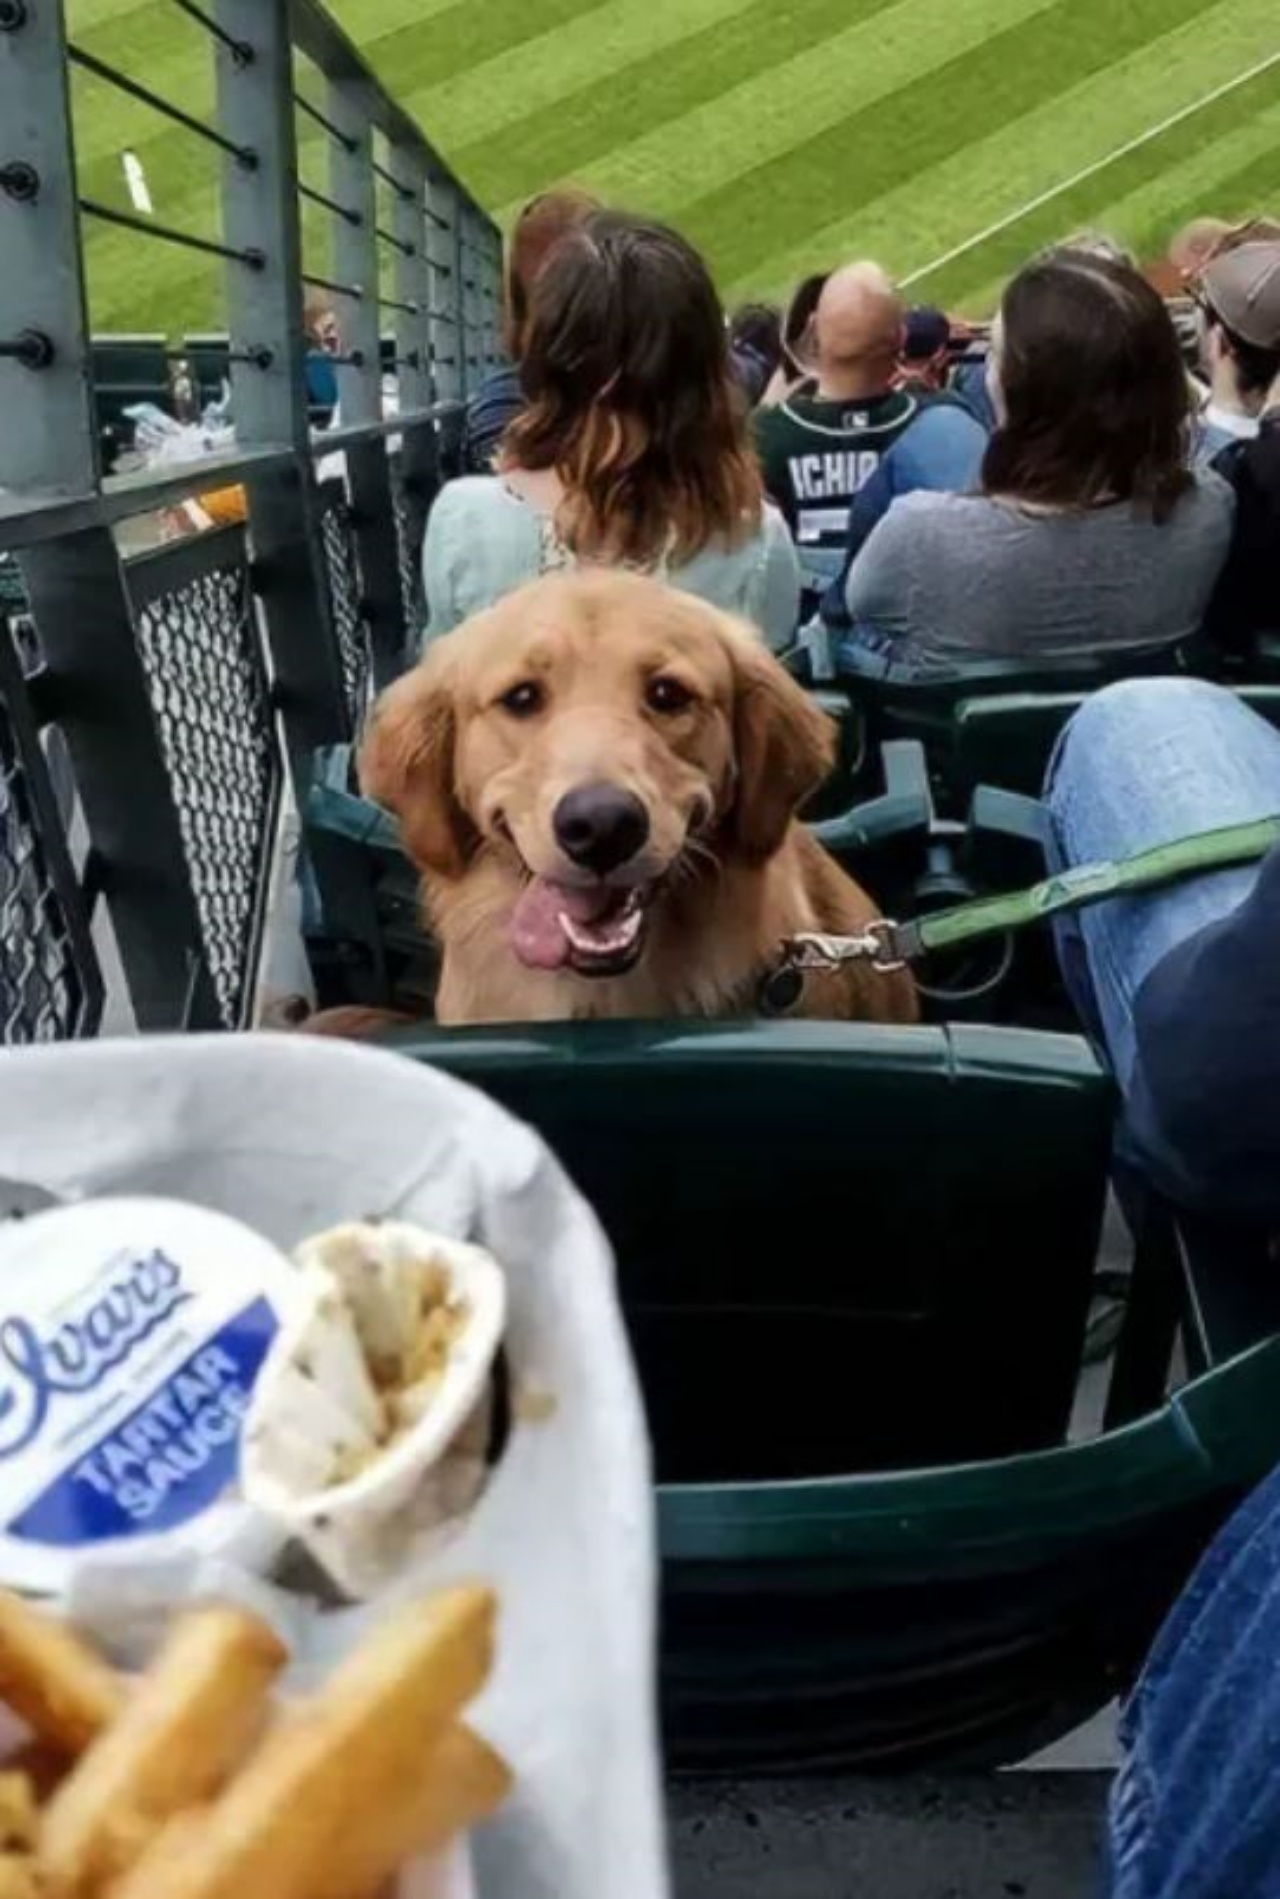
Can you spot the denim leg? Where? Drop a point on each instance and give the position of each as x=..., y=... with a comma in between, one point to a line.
x=1143, y=763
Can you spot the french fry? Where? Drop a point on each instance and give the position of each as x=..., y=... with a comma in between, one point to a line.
x=45, y=1767
x=434, y=1799
x=186, y=1726
x=274, y=1831
x=52, y=1680
x=18, y=1877
x=19, y=1820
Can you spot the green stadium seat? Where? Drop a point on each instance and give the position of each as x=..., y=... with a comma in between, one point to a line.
x=1007, y=739
x=816, y=1272
x=926, y=709
x=856, y=1265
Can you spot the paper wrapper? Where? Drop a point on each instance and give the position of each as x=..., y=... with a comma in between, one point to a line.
x=293, y=1135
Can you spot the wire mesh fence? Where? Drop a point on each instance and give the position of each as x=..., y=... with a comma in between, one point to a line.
x=50, y=985
x=207, y=682
x=350, y=622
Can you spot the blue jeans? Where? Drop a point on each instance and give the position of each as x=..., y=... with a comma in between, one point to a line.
x=1143, y=763
x=1195, y=1810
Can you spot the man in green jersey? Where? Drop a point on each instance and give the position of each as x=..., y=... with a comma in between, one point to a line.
x=822, y=447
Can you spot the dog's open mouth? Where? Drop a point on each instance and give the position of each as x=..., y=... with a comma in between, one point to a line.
x=597, y=932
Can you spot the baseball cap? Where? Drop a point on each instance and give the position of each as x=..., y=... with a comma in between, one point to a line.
x=1242, y=287
x=928, y=331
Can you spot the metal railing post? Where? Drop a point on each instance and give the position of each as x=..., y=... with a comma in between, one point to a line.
x=98, y=690
x=419, y=458
x=49, y=437
x=447, y=342
x=356, y=261
x=269, y=405
x=461, y=272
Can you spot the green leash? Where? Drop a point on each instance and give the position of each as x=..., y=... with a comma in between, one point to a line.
x=887, y=945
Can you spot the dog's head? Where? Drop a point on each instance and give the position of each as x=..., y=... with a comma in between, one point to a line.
x=598, y=733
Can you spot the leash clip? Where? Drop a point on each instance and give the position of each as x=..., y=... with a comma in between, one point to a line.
x=812, y=950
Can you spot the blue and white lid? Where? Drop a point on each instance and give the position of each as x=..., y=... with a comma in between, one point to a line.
x=132, y=1332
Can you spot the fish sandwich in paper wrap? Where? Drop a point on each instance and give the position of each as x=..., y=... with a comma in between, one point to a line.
x=291, y=1136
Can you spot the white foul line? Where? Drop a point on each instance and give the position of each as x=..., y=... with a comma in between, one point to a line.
x=1099, y=164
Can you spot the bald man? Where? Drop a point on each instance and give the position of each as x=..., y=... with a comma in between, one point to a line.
x=849, y=436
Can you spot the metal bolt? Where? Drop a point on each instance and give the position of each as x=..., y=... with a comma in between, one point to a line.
x=32, y=348
x=13, y=14
x=20, y=181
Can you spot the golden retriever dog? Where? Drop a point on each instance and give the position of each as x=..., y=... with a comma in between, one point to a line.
x=599, y=779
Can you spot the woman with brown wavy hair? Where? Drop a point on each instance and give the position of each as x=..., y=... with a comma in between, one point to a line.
x=544, y=223
x=632, y=447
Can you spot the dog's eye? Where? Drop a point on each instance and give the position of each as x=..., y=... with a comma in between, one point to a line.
x=523, y=700
x=667, y=695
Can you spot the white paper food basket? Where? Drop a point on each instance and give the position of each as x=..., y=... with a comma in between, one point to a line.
x=292, y=1135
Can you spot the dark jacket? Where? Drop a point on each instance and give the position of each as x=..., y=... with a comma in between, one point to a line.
x=497, y=401
x=1247, y=601
x=1203, y=1103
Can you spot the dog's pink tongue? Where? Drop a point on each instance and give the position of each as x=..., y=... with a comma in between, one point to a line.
x=536, y=933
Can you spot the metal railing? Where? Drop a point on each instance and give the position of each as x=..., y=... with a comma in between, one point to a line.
x=167, y=709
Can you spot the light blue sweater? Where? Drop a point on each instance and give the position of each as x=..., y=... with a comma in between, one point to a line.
x=483, y=541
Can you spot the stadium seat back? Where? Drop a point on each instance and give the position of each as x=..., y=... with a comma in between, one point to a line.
x=958, y=1617
x=1007, y=739
x=855, y=1264
x=841, y=1248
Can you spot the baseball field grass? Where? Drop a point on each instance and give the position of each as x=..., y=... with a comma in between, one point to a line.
x=946, y=137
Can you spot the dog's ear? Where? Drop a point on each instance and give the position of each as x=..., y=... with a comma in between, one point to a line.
x=407, y=764
x=785, y=748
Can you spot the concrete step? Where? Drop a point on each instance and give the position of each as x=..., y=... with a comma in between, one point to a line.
x=1027, y=1835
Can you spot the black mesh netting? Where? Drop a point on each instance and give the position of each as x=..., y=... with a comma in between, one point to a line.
x=42, y=995
x=349, y=622
x=408, y=546
x=211, y=697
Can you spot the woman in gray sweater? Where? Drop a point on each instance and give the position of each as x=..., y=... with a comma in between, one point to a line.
x=1090, y=533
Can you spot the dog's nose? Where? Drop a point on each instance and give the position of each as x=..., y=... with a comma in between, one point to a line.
x=600, y=826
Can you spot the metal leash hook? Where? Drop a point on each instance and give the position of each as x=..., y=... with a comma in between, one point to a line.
x=813, y=951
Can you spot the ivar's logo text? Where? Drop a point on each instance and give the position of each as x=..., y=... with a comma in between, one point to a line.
x=84, y=1348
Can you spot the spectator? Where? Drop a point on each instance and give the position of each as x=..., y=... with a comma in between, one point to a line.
x=540, y=227
x=1246, y=605
x=820, y=450
x=1181, y=987
x=633, y=448
x=324, y=342
x=1090, y=534
x=926, y=350
x=971, y=384
x=1238, y=293
x=1192, y=247
x=755, y=346
x=795, y=371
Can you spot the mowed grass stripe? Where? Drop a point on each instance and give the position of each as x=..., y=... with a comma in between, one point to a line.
x=1146, y=219
x=784, y=105
x=460, y=36
x=615, y=108
x=930, y=119
x=162, y=50
x=1230, y=176
x=1094, y=200
x=932, y=208
x=504, y=92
